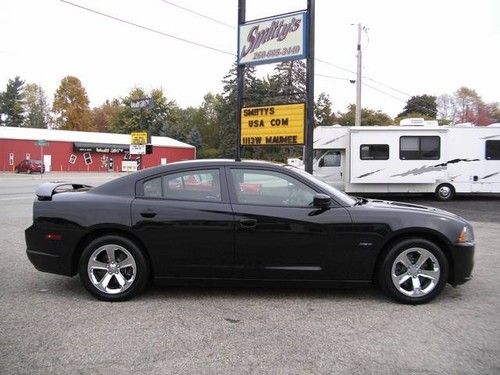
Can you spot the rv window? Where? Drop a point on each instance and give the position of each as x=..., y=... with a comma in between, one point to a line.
x=374, y=152
x=492, y=150
x=419, y=148
x=331, y=159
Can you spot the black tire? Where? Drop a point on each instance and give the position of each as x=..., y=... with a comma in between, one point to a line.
x=444, y=192
x=135, y=276
x=411, y=250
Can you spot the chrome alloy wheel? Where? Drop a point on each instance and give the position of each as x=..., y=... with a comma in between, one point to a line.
x=112, y=269
x=415, y=272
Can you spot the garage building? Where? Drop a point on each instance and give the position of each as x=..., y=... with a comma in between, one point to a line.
x=73, y=151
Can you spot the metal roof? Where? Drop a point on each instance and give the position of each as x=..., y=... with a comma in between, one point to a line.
x=7, y=132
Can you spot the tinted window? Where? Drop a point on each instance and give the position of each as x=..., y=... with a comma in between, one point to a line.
x=493, y=150
x=419, y=148
x=270, y=188
x=374, y=152
x=190, y=185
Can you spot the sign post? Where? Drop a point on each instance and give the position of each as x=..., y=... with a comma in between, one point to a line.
x=41, y=143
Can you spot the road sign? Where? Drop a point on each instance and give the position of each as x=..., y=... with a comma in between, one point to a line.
x=274, y=125
x=41, y=142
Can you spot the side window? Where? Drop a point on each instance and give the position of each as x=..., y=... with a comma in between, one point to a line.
x=201, y=185
x=374, y=152
x=419, y=148
x=331, y=159
x=270, y=188
x=152, y=188
x=492, y=150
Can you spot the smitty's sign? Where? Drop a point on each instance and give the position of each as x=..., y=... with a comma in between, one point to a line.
x=275, y=125
x=274, y=39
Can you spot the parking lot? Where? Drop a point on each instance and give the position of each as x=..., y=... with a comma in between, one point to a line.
x=50, y=324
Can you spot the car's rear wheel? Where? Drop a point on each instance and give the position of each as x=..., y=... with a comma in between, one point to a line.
x=414, y=271
x=16, y=170
x=113, y=268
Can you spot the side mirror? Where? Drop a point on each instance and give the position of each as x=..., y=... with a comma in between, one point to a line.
x=322, y=201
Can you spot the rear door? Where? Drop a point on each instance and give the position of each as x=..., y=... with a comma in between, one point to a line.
x=185, y=220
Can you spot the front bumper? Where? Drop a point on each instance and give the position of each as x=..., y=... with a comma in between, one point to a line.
x=463, y=262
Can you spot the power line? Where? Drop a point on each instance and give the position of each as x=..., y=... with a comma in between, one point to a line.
x=148, y=28
x=199, y=14
x=333, y=77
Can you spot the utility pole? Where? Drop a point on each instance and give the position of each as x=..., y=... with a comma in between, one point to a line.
x=358, y=80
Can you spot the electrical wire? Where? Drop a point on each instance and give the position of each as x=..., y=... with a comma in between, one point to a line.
x=199, y=14
x=147, y=28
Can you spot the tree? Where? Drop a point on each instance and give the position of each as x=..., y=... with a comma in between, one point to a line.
x=288, y=83
x=158, y=117
x=194, y=138
x=466, y=105
x=103, y=117
x=37, y=107
x=369, y=117
x=12, y=103
x=323, y=114
x=420, y=106
x=71, y=105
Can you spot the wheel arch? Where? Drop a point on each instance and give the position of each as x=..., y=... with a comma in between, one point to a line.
x=107, y=231
x=423, y=233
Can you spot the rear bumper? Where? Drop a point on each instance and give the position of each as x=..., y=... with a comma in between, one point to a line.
x=463, y=263
x=48, y=256
x=47, y=262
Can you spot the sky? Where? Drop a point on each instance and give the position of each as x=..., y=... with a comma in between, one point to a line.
x=410, y=48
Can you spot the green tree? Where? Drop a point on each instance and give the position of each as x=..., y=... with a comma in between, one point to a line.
x=71, y=105
x=369, y=117
x=158, y=117
x=37, y=107
x=323, y=114
x=12, y=103
x=194, y=138
x=420, y=106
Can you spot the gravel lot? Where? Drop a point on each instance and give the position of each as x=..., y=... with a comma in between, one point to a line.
x=49, y=324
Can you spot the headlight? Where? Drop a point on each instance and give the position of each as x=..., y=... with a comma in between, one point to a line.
x=466, y=235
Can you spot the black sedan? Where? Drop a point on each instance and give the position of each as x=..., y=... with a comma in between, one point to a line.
x=244, y=222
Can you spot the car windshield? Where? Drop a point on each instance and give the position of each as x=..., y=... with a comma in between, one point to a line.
x=342, y=197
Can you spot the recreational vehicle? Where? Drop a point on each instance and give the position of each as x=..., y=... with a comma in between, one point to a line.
x=416, y=157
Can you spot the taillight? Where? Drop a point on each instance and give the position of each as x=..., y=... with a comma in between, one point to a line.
x=53, y=236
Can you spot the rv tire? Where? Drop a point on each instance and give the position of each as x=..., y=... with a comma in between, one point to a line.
x=444, y=192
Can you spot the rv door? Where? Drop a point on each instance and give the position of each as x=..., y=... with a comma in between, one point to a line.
x=329, y=166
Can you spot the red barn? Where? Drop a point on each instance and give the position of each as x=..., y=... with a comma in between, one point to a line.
x=63, y=150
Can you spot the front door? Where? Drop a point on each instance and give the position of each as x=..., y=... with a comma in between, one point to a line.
x=278, y=234
x=186, y=222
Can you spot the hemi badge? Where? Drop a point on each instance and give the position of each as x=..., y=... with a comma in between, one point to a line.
x=365, y=244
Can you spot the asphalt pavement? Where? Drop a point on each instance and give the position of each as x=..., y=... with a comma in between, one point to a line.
x=50, y=324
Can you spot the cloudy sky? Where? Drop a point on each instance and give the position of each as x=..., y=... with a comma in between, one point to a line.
x=410, y=48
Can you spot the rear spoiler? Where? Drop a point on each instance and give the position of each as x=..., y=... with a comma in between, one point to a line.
x=46, y=191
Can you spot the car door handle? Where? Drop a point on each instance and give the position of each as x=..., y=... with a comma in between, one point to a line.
x=248, y=223
x=148, y=214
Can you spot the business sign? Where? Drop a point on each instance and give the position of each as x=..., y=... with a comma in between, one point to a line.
x=273, y=39
x=275, y=125
x=100, y=147
x=137, y=149
x=139, y=138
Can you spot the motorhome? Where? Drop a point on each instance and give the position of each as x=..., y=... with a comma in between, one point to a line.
x=416, y=157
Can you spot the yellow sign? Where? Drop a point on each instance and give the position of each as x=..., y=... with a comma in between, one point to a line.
x=139, y=138
x=273, y=125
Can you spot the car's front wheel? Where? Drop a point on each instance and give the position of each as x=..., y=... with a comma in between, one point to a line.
x=113, y=268
x=414, y=271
